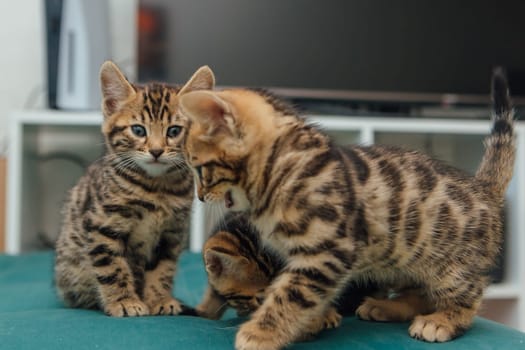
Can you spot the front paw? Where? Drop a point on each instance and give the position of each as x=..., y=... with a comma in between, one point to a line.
x=168, y=306
x=432, y=328
x=129, y=307
x=332, y=319
x=251, y=337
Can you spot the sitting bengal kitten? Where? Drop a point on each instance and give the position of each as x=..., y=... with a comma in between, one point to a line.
x=336, y=214
x=126, y=221
x=240, y=269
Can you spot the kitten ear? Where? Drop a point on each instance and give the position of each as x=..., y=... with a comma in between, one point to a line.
x=202, y=79
x=220, y=262
x=116, y=90
x=208, y=109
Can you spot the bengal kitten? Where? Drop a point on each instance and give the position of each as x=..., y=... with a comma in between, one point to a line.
x=239, y=271
x=126, y=221
x=337, y=214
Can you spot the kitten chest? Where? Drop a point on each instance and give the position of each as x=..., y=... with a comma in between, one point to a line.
x=147, y=231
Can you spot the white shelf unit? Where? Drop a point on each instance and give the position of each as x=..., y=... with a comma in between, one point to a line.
x=35, y=133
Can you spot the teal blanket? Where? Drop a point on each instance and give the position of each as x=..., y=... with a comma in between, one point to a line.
x=31, y=317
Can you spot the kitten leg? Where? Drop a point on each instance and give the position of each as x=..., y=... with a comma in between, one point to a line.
x=158, y=290
x=294, y=300
x=455, y=309
x=442, y=326
x=115, y=282
x=212, y=305
x=401, y=308
x=158, y=281
x=331, y=319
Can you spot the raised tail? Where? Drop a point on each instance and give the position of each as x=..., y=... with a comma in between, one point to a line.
x=497, y=165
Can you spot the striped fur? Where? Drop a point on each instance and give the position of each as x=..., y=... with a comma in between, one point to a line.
x=240, y=270
x=336, y=214
x=126, y=221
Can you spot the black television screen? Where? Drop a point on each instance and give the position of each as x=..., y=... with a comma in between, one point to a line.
x=406, y=49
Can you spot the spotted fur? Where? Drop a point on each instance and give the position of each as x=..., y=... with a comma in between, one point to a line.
x=337, y=214
x=126, y=221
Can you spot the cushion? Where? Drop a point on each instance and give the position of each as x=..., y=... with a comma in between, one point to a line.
x=32, y=317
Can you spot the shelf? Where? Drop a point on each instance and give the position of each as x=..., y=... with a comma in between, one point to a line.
x=58, y=117
x=503, y=291
x=403, y=124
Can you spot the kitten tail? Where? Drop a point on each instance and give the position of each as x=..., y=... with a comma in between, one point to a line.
x=497, y=164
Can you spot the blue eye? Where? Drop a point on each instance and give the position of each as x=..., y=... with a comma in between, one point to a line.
x=138, y=130
x=173, y=131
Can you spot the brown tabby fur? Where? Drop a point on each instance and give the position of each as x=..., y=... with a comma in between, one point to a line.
x=335, y=214
x=239, y=271
x=126, y=221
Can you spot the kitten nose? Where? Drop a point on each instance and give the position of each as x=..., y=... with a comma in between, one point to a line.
x=156, y=152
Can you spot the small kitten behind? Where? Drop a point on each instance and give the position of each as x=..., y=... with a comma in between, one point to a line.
x=126, y=220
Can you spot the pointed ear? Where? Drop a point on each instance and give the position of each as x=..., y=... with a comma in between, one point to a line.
x=220, y=262
x=208, y=109
x=116, y=90
x=202, y=79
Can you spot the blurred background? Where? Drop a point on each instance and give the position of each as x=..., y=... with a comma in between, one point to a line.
x=408, y=72
x=403, y=52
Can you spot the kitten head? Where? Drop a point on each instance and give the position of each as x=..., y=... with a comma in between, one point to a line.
x=236, y=277
x=228, y=130
x=141, y=125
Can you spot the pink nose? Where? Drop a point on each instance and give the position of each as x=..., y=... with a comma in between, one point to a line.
x=156, y=153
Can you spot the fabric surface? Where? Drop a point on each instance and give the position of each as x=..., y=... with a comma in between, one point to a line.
x=31, y=317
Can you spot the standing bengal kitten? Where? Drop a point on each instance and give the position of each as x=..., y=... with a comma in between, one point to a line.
x=126, y=221
x=336, y=214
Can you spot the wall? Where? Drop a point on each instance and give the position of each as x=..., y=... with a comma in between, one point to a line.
x=22, y=62
x=22, y=59
x=23, y=82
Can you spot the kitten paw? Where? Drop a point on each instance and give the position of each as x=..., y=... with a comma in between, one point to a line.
x=371, y=310
x=432, y=328
x=251, y=337
x=168, y=306
x=332, y=319
x=128, y=307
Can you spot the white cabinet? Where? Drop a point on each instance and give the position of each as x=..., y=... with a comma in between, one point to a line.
x=43, y=164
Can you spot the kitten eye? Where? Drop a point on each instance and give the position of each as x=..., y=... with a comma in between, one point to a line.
x=138, y=130
x=173, y=131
